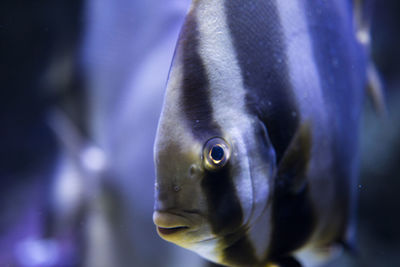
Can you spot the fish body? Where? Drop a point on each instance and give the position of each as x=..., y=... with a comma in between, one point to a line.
x=256, y=151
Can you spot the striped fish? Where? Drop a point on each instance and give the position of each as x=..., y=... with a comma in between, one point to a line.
x=256, y=151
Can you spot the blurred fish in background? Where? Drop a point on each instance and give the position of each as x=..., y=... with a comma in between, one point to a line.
x=32, y=34
x=82, y=84
x=98, y=86
x=126, y=53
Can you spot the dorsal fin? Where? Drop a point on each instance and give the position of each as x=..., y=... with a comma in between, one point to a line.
x=294, y=164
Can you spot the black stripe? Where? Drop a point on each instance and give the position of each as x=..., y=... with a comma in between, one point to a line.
x=261, y=52
x=195, y=85
x=225, y=212
x=226, y=217
x=287, y=262
x=258, y=41
x=341, y=66
x=292, y=223
x=293, y=217
x=241, y=252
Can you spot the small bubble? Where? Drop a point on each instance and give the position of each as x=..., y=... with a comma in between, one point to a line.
x=294, y=114
x=197, y=121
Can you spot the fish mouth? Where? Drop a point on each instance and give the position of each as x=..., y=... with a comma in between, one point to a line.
x=170, y=231
x=170, y=224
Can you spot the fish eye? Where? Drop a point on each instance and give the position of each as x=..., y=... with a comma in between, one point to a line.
x=216, y=153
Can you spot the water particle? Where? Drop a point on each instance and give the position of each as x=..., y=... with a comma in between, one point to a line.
x=335, y=62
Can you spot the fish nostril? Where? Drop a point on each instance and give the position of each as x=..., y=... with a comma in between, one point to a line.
x=193, y=171
x=177, y=188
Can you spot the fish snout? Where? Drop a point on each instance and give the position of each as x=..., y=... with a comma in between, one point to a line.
x=166, y=196
x=178, y=193
x=176, y=210
x=169, y=223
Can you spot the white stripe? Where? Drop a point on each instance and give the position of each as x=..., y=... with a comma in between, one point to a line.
x=227, y=95
x=302, y=69
x=226, y=86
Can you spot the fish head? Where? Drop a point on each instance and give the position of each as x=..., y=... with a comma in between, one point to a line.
x=213, y=157
x=211, y=185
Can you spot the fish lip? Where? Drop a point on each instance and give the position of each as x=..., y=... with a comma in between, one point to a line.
x=173, y=222
x=170, y=231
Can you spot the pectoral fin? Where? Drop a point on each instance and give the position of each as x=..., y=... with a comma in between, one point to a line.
x=294, y=164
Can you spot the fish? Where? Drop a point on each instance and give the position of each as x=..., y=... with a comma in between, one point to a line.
x=256, y=152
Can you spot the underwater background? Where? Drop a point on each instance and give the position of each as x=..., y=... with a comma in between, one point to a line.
x=82, y=84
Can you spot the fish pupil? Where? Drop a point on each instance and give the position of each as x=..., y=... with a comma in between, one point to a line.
x=217, y=153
